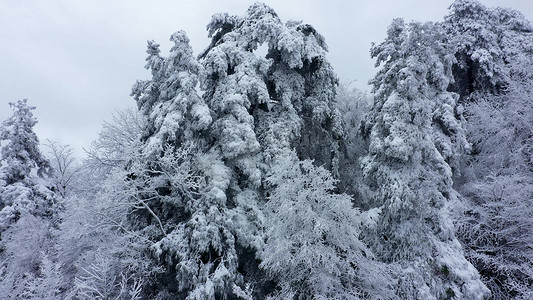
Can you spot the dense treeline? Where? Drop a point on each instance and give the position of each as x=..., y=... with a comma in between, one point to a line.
x=245, y=175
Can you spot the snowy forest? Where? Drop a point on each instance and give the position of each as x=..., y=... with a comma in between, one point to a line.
x=251, y=171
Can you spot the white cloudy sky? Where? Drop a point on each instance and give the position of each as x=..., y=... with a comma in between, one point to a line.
x=77, y=60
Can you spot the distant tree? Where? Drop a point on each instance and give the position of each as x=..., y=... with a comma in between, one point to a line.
x=64, y=168
x=21, y=154
x=118, y=140
x=415, y=131
x=353, y=104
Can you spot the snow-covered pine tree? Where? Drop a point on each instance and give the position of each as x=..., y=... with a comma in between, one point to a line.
x=170, y=103
x=28, y=208
x=416, y=133
x=287, y=95
x=191, y=238
x=183, y=190
x=271, y=90
x=480, y=36
x=256, y=108
x=301, y=82
x=290, y=88
x=22, y=165
x=146, y=92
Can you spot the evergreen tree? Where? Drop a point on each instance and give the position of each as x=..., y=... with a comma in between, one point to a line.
x=194, y=242
x=173, y=110
x=287, y=96
x=211, y=222
x=485, y=42
x=416, y=134
x=247, y=118
x=29, y=209
x=22, y=165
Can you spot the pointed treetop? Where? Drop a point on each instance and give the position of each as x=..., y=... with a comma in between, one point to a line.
x=21, y=153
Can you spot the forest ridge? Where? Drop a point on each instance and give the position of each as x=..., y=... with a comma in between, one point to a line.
x=251, y=175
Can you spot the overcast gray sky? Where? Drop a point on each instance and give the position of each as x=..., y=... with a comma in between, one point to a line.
x=77, y=60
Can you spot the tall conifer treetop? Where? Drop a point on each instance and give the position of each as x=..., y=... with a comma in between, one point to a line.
x=415, y=131
x=20, y=150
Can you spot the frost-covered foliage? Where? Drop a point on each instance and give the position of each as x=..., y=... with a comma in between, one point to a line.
x=200, y=244
x=101, y=254
x=169, y=101
x=496, y=229
x=248, y=173
x=64, y=168
x=46, y=284
x=28, y=214
x=21, y=154
x=27, y=246
x=482, y=38
x=285, y=99
x=312, y=239
x=22, y=167
x=416, y=134
x=178, y=190
x=353, y=105
x=117, y=142
x=209, y=213
x=495, y=224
